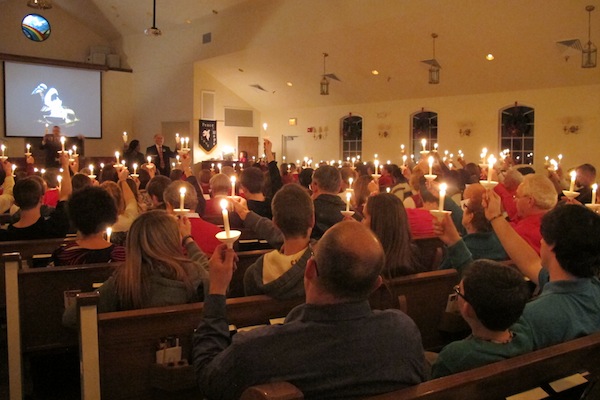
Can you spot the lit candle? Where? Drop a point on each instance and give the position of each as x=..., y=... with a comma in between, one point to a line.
x=101, y=165
x=443, y=188
x=75, y=151
x=353, y=161
x=375, y=155
x=435, y=146
x=28, y=146
x=376, y=165
x=573, y=175
x=91, y=169
x=187, y=143
x=108, y=233
x=404, y=160
x=62, y=142
x=491, y=162
x=124, y=137
x=149, y=159
x=117, y=156
x=135, y=168
x=181, y=198
x=232, y=186
x=559, y=158
x=177, y=158
x=402, y=148
x=388, y=189
x=430, y=165
x=424, y=144
x=177, y=138
x=219, y=166
x=59, y=178
x=594, y=189
x=3, y=147
x=225, y=216
x=350, y=181
x=348, y=196
x=265, y=125
x=483, y=154
x=212, y=166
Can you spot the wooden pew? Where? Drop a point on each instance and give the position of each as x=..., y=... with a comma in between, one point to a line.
x=128, y=340
x=431, y=252
x=35, y=304
x=27, y=249
x=491, y=382
x=425, y=295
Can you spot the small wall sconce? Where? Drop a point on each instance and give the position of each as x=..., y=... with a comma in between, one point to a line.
x=464, y=132
x=384, y=134
x=567, y=129
x=292, y=121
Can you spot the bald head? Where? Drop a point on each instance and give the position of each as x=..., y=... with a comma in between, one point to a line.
x=349, y=259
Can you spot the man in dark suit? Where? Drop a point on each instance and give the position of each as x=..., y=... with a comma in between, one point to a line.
x=161, y=155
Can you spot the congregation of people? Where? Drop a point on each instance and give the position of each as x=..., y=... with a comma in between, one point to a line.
x=527, y=256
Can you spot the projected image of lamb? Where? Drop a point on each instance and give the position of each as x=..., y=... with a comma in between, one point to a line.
x=53, y=111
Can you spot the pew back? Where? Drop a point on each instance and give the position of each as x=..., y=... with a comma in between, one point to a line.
x=127, y=341
x=426, y=297
x=491, y=382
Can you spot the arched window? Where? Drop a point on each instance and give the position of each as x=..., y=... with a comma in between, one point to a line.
x=517, y=132
x=351, y=127
x=424, y=126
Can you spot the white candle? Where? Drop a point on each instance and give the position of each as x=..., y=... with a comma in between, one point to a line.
x=135, y=168
x=404, y=160
x=348, y=196
x=376, y=165
x=101, y=165
x=435, y=146
x=177, y=138
x=350, y=181
x=124, y=137
x=59, y=178
x=181, y=198
x=491, y=162
x=91, y=169
x=573, y=175
x=13, y=167
x=117, y=156
x=388, y=189
x=212, y=166
x=177, y=158
x=265, y=126
x=28, y=148
x=225, y=216
x=430, y=165
x=187, y=143
x=594, y=189
x=443, y=188
x=108, y=233
x=232, y=186
x=219, y=166
x=62, y=142
x=559, y=158
x=3, y=147
x=424, y=144
x=149, y=159
x=402, y=148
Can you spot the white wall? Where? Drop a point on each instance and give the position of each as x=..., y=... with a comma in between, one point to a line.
x=553, y=108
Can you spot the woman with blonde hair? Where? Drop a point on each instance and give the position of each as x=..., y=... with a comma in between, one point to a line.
x=126, y=198
x=156, y=271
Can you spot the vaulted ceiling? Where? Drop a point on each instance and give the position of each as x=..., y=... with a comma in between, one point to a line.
x=285, y=40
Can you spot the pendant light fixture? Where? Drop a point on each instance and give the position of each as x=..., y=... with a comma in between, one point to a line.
x=40, y=4
x=324, y=80
x=153, y=30
x=434, y=65
x=589, y=53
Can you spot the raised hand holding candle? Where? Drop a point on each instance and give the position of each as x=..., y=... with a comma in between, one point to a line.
x=62, y=142
x=572, y=186
x=594, y=189
x=348, y=196
x=442, y=191
x=224, y=205
x=232, y=186
x=430, y=165
x=181, y=198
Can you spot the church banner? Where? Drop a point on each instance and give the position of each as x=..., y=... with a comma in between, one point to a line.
x=208, y=135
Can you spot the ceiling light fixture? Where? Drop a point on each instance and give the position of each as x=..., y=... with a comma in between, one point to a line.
x=153, y=30
x=489, y=57
x=40, y=4
x=324, y=80
x=589, y=53
x=434, y=65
